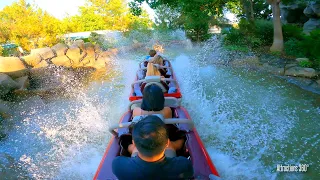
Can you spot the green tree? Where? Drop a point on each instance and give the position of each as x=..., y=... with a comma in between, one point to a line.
x=101, y=15
x=196, y=14
x=28, y=26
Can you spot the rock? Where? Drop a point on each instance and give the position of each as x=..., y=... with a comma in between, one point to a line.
x=11, y=64
x=273, y=69
x=302, y=59
x=74, y=55
x=7, y=84
x=288, y=66
x=60, y=49
x=88, y=61
x=42, y=64
x=23, y=82
x=316, y=7
x=45, y=53
x=61, y=61
x=311, y=25
x=308, y=11
x=97, y=49
x=100, y=63
x=79, y=43
x=5, y=109
x=318, y=81
x=293, y=13
x=89, y=49
x=301, y=72
x=313, y=9
x=32, y=59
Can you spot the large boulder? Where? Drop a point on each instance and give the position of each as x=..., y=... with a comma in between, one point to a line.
x=79, y=43
x=45, y=53
x=11, y=64
x=302, y=59
x=88, y=61
x=61, y=61
x=97, y=49
x=23, y=82
x=100, y=63
x=89, y=49
x=7, y=84
x=293, y=13
x=32, y=59
x=5, y=109
x=311, y=25
x=301, y=72
x=313, y=9
x=60, y=49
x=308, y=11
x=75, y=55
x=42, y=64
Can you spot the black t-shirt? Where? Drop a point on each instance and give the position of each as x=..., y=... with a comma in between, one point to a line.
x=166, y=168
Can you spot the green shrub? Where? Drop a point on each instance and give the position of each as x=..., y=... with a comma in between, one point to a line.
x=246, y=27
x=237, y=48
x=1, y=49
x=291, y=31
x=235, y=37
x=293, y=48
x=306, y=64
x=264, y=31
x=254, y=42
x=311, y=45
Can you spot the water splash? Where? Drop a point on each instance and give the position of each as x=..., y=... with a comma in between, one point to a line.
x=247, y=121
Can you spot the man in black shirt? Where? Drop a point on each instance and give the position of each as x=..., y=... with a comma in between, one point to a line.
x=151, y=139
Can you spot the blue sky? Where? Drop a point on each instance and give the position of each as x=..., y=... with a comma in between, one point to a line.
x=58, y=8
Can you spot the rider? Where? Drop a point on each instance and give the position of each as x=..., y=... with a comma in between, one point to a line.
x=152, y=103
x=152, y=53
x=152, y=70
x=160, y=61
x=152, y=142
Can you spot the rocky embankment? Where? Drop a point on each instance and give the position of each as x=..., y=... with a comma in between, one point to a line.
x=289, y=69
x=47, y=71
x=302, y=12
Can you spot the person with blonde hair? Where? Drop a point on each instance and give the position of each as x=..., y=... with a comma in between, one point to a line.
x=160, y=61
x=152, y=70
x=157, y=59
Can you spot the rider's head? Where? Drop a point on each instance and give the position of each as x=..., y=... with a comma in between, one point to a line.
x=152, y=70
x=153, y=98
x=157, y=60
x=152, y=53
x=150, y=136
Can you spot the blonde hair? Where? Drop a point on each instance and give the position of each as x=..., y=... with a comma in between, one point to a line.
x=157, y=60
x=152, y=70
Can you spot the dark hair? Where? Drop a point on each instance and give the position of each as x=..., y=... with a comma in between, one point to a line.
x=150, y=136
x=153, y=98
x=152, y=52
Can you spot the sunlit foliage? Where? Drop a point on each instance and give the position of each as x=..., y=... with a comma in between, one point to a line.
x=28, y=26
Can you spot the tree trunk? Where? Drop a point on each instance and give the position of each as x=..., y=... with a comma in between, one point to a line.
x=277, y=45
x=251, y=10
x=248, y=9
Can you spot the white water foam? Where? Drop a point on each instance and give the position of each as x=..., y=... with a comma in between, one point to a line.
x=238, y=135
